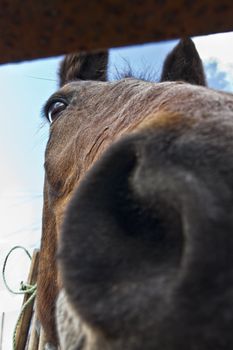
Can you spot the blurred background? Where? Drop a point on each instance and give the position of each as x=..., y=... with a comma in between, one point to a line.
x=24, y=89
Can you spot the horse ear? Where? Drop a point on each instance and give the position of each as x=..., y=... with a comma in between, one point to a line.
x=84, y=66
x=184, y=63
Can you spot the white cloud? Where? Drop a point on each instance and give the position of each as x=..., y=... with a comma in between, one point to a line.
x=218, y=48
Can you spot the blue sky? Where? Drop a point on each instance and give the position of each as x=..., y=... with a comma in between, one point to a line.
x=24, y=89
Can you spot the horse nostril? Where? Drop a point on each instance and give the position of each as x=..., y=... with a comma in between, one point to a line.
x=109, y=226
x=115, y=241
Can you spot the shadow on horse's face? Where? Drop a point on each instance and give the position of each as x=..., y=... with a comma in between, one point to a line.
x=139, y=194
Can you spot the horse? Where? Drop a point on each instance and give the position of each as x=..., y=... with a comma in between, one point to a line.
x=136, y=249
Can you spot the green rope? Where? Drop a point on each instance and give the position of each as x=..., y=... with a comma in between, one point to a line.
x=24, y=289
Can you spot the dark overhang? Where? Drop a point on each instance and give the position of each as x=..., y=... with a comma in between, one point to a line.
x=33, y=29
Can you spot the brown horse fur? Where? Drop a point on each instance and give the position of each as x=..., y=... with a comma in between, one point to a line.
x=145, y=246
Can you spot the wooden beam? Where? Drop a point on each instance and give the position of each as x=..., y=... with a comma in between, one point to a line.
x=34, y=29
x=23, y=328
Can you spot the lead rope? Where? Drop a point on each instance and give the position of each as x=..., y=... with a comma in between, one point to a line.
x=24, y=289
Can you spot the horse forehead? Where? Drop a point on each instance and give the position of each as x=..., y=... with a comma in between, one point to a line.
x=116, y=92
x=134, y=97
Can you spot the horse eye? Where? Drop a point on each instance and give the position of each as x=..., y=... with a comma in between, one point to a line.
x=54, y=110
